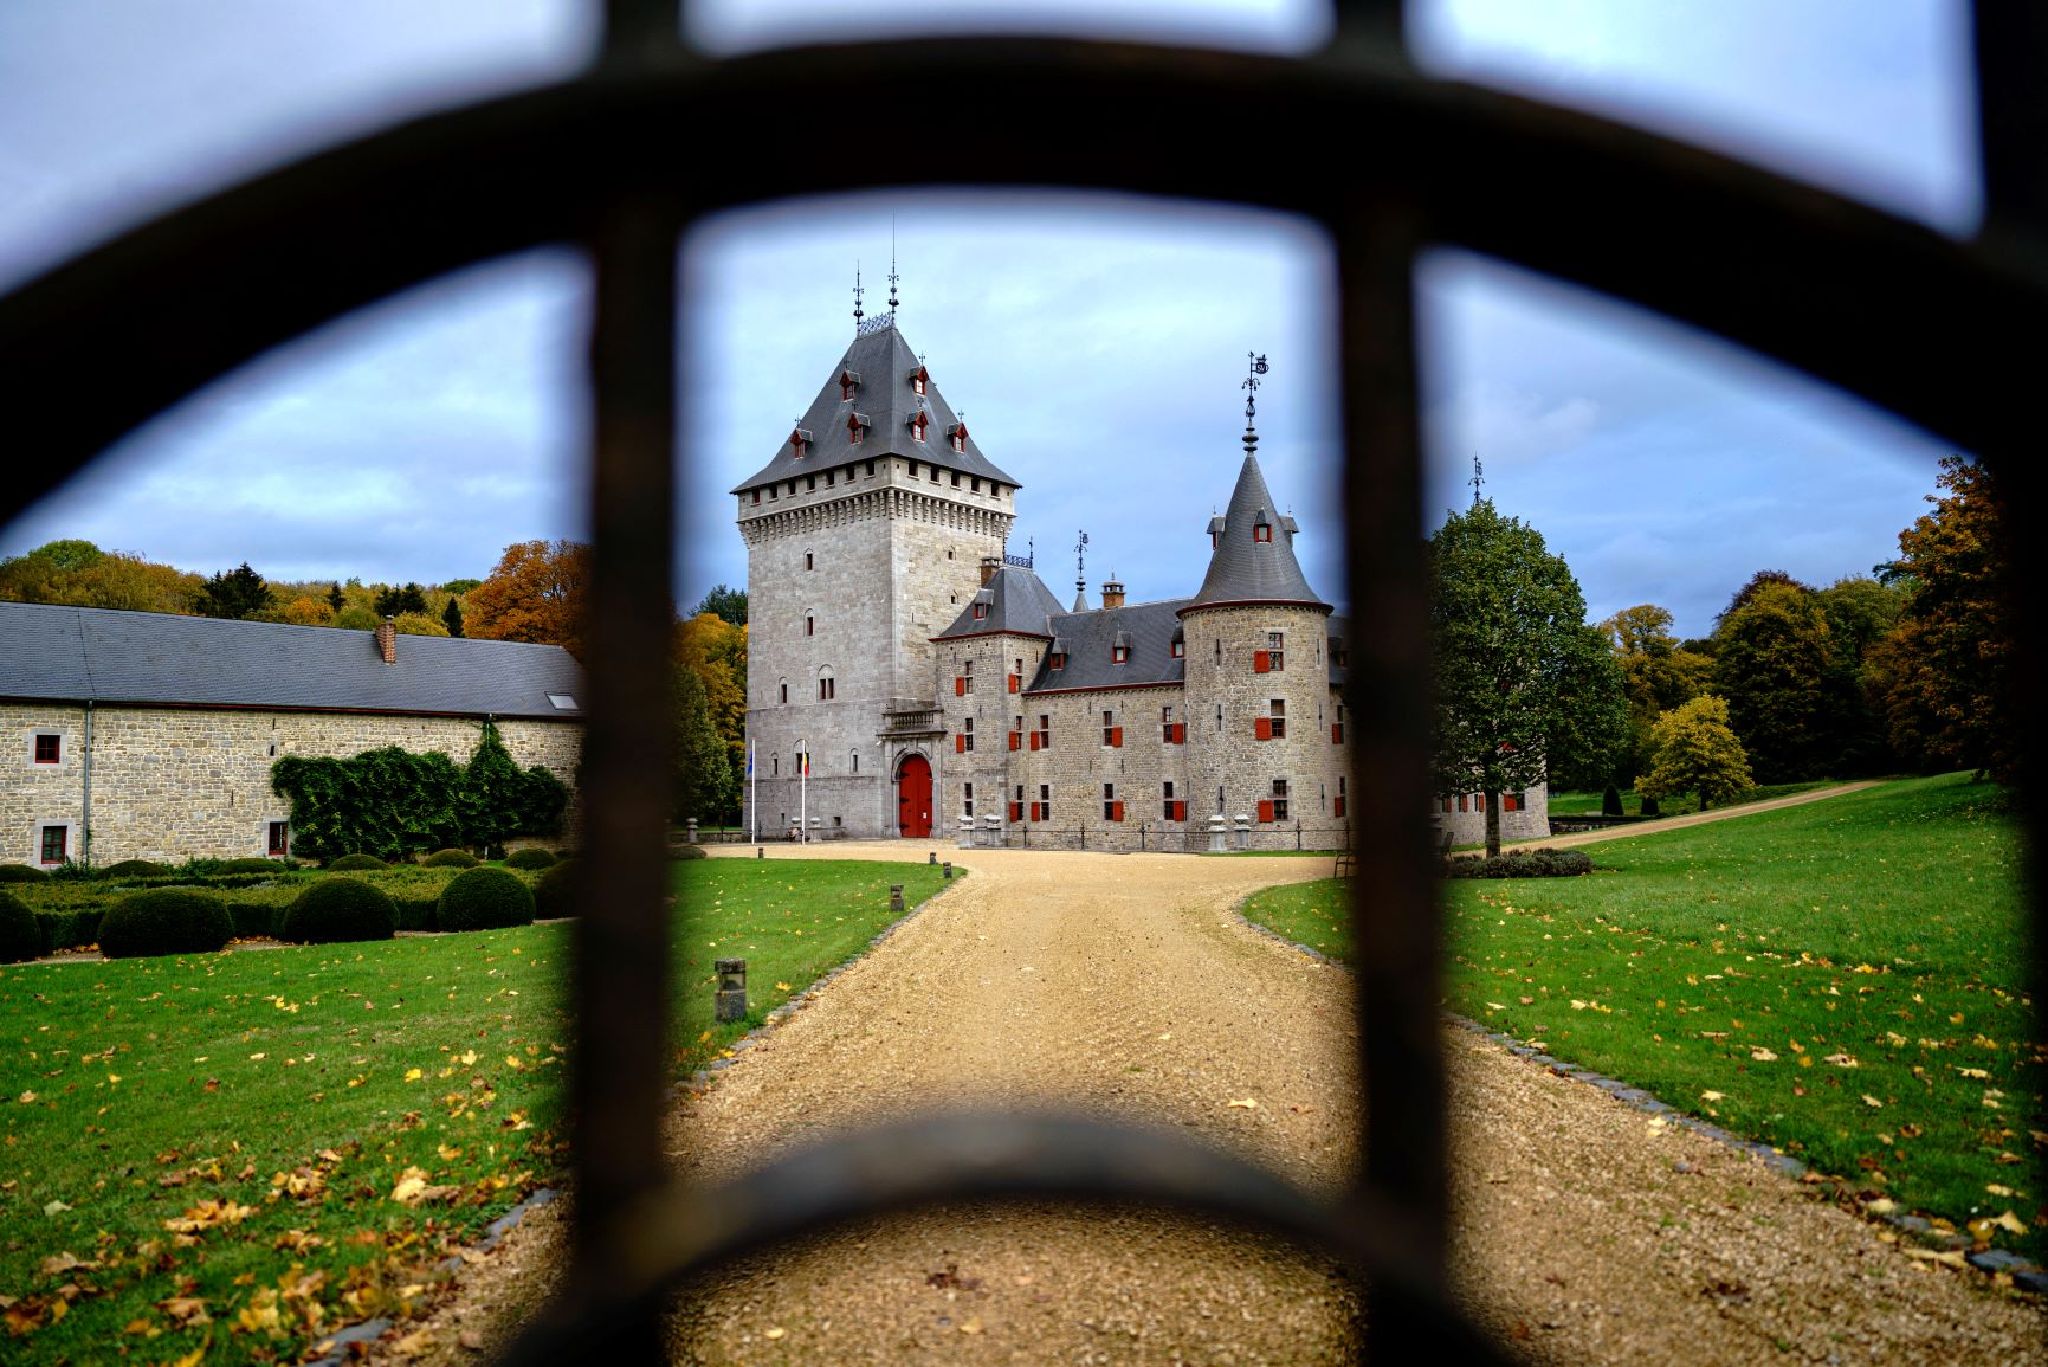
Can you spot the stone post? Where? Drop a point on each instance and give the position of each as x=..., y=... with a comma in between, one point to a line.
x=760, y=851
x=692, y=833
x=966, y=840
x=946, y=871
x=1244, y=831
x=992, y=831
x=1219, y=833
x=895, y=897
x=931, y=857
x=731, y=1002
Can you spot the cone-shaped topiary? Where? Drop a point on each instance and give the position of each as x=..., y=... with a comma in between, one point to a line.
x=338, y=909
x=165, y=921
x=555, y=891
x=138, y=868
x=355, y=863
x=450, y=859
x=484, y=899
x=21, y=939
x=21, y=873
x=530, y=860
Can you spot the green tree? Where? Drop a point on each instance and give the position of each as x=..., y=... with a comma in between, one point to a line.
x=1860, y=612
x=1697, y=753
x=1943, y=677
x=1657, y=674
x=451, y=616
x=393, y=602
x=729, y=604
x=1526, y=689
x=336, y=599
x=705, y=787
x=235, y=593
x=1771, y=662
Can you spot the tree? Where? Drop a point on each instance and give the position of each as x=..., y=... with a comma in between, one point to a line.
x=393, y=602
x=1697, y=753
x=305, y=612
x=1860, y=612
x=336, y=599
x=535, y=594
x=716, y=652
x=705, y=787
x=418, y=624
x=726, y=603
x=1657, y=674
x=235, y=593
x=1943, y=676
x=1525, y=688
x=451, y=616
x=1772, y=655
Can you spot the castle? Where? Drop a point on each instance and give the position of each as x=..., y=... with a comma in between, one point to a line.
x=937, y=686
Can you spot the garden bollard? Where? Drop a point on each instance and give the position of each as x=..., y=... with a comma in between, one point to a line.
x=947, y=870
x=932, y=857
x=692, y=830
x=731, y=1002
x=760, y=852
x=895, y=897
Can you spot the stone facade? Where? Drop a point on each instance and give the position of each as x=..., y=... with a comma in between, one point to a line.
x=175, y=783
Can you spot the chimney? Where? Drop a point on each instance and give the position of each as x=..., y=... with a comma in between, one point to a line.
x=989, y=565
x=1112, y=592
x=387, y=640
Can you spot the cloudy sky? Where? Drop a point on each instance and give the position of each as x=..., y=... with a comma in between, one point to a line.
x=1095, y=344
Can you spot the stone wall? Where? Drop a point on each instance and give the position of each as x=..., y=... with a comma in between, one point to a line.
x=171, y=784
x=1468, y=826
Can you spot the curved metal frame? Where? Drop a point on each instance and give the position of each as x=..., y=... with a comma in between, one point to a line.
x=1941, y=332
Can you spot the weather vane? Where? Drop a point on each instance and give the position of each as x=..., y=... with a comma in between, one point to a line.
x=1478, y=480
x=1251, y=395
x=857, y=315
x=1081, y=564
x=892, y=265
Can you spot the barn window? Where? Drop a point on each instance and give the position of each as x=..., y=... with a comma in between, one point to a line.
x=278, y=839
x=54, y=844
x=48, y=748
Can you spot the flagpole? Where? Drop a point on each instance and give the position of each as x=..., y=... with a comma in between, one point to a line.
x=753, y=797
x=803, y=787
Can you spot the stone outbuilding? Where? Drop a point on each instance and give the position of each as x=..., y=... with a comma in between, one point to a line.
x=150, y=736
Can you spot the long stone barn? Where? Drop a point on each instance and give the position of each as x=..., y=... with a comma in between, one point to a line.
x=142, y=735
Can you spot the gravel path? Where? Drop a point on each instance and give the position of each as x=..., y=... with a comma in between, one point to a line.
x=1125, y=986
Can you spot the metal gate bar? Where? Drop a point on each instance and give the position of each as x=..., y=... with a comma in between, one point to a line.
x=1944, y=333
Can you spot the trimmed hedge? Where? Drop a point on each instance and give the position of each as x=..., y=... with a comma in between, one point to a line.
x=165, y=921
x=138, y=868
x=555, y=891
x=450, y=859
x=22, y=873
x=337, y=910
x=21, y=938
x=417, y=912
x=688, y=852
x=530, y=860
x=1543, y=863
x=253, y=920
x=484, y=899
x=252, y=864
x=355, y=863
x=69, y=927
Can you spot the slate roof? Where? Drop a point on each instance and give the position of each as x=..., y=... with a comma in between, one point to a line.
x=1018, y=601
x=80, y=654
x=884, y=362
x=1087, y=637
x=1243, y=569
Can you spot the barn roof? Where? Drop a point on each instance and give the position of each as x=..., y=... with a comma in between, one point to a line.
x=90, y=654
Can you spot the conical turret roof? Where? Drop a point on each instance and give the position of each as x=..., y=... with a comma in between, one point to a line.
x=883, y=368
x=1254, y=557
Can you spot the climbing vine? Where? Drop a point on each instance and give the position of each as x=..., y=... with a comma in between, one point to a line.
x=392, y=802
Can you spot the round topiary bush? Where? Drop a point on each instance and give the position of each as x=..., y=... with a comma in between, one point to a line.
x=355, y=863
x=21, y=939
x=138, y=868
x=21, y=873
x=530, y=860
x=165, y=921
x=555, y=892
x=450, y=859
x=688, y=852
x=337, y=909
x=484, y=899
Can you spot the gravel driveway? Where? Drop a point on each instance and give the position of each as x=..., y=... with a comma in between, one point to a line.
x=1125, y=986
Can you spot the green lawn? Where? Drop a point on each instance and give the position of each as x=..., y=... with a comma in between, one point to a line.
x=1588, y=803
x=1844, y=980
x=247, y=1150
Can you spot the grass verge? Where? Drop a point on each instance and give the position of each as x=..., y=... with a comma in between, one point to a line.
x=1588, y=803
x=240, y=1152
x=1844, y=980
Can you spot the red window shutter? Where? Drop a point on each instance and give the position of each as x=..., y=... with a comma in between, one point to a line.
x=1016, y=811
x=1180, y=733
x=1015, y=739
x=1262, y=728
x=1116, y=811
x=1262, y=662
x=1116, y=736
x=1337, y=807
x=1015, y=679
x=1336, y=733
x=1034, y=813
x=960, y=745
x=1180, y=811
x=1034, y=738
x=960, y=687
x=1265, y=810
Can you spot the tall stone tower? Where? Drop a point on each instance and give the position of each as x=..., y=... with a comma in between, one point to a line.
x=865, y=536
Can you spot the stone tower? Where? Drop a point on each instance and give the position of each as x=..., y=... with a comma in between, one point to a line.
x=1259, y=693
x=865, y=536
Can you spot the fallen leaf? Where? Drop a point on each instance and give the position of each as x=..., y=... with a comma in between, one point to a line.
x=1843, y=1061
x=972, y=1326
x=26, y=1098
x=1947, y=1256
x=1762, y=1055
x=413, y=1075
x=55, y=1208
x=1246, y=1104
x=1872, y=1102
x=1711, y=1096
x=777, y=1332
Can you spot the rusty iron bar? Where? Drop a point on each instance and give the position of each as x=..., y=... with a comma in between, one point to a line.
x=621, y=983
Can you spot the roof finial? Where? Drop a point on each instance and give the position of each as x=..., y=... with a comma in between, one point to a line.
x=1478, y=480
x=892, y=264
x=1251, y=394
x=857, y=314
x=1080, y=568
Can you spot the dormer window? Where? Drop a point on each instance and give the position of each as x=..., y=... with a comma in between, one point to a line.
x=981, y=612
x=1057, y=660
x=918, y=426
x=857, y=425
x=1262, y=531
x=799, y=443
x=1180, y=646
x=919, y=378
x=957, y=436
x=1120, y=649
x=849, y=381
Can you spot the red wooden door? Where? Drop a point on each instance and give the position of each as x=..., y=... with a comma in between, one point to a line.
x=914, y=798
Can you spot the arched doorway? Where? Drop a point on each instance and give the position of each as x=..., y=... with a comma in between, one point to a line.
x=914, y=798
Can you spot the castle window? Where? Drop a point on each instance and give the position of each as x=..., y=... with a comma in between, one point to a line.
x=918, y=424
x=1045, y=802
x=1041, y=739
x=827, y=688
x=1119, y=655
x=1511, y=802
x=1339, y=810
x=856, y=761
x=981, y=612
x=1058, y=660
x=857, y=425
x=800, y=443
x=956, y=436
x=1170, y=808
x=1219, y=722
x=828, y=478
x=967, y=799
x=974, y=485
x=277, y=842
x=810, y=484
x=47, y=748
x=772, y=495
x=1219, y=650
x=1274, y=808
x=1112, y=810
x=1112, y=735
x=784, y=685
x=967, y=673
x=757, y=498
x=956, y=479
x=849, y=381
x=1180, y=648
x=775, y=761
x=919, y=378
x=967, y=734
x=792, y=488
x=810, y=625
x=1279, y=716
x=1273, y=658
x=871, y=469
x=810, y=560
x=52, y=848
x=1337, y=727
